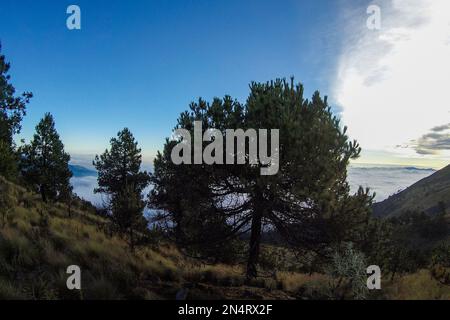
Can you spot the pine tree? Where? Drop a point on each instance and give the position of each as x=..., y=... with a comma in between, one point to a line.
x=119, y=176
x=44, y=163
x=307, y=202
x=12, y=110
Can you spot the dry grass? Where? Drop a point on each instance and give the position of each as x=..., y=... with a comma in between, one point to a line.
x=292, y=281
x=39, y=241
x=417, y=286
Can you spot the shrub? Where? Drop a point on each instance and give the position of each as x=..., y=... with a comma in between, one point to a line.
x=348, y=273
x=440, y=264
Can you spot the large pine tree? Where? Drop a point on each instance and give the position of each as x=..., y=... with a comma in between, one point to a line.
x=307, y=202
x=44, y=163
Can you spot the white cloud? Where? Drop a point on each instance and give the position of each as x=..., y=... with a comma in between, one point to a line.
x=393, y=84
x=84, y=188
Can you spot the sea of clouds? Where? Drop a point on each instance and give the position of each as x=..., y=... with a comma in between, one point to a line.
x=383, y=180
x=84, y=188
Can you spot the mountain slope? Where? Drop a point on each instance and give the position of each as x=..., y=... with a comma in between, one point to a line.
x=38, y=241
x=429, y=195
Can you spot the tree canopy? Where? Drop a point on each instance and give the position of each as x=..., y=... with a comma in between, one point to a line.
x=12, y=110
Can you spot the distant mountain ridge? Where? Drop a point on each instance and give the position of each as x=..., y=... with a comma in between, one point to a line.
x=419, y=169
x=79, y=171
x=428, y=195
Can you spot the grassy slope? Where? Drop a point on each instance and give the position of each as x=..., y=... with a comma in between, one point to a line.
x=39, y=241
x=421, y=196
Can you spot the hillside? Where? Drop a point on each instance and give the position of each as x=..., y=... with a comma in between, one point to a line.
x=39, y=241
x=426, y=195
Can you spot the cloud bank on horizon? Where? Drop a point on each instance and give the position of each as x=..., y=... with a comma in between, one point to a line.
x=393, y=83
x=382, y=180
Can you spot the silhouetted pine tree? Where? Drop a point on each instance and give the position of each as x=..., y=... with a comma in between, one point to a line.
x=12, y=110
x=44, y=163
x=119, y=176
x=307, y=202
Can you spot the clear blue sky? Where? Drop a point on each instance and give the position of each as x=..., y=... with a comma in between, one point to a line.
x=140, y=63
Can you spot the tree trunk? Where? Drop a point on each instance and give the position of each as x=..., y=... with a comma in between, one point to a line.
x=131, y=239
x=255, y=241
x=178, y=229
x=393, y=274
x=394, y=270
x=43, y=194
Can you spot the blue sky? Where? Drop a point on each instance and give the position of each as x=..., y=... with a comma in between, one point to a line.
x=140, y=63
